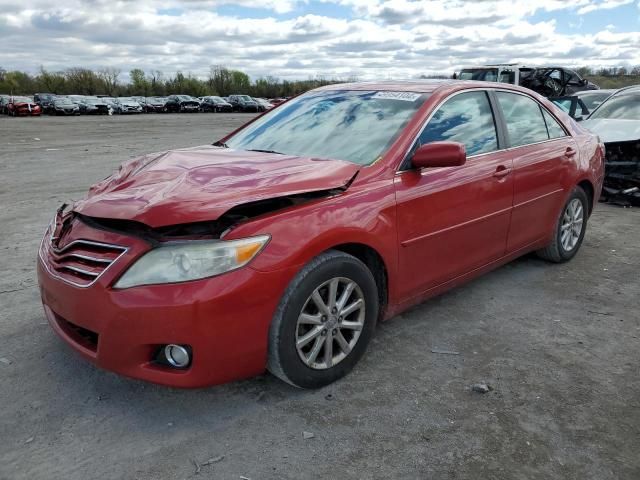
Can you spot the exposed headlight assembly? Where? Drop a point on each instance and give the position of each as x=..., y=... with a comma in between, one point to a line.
x=191, y=260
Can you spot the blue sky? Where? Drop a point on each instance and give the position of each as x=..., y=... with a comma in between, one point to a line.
x=624, y=18
x=305, y=38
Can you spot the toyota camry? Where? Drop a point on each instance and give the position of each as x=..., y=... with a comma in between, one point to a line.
x=281, y=246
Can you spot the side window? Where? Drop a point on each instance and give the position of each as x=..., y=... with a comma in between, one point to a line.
x=573, y=77
x=553, y=127
x=466, y=118
x=523, y=116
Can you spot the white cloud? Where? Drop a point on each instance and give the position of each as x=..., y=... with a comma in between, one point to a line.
x=603, y=5
x=384, y=39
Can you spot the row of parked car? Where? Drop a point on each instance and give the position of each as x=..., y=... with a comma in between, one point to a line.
x=48, y=103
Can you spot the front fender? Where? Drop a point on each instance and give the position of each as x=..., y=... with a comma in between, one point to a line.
x=365, y=216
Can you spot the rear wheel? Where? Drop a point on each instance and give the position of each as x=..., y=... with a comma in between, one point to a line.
x=570, y=229
x=324, y=321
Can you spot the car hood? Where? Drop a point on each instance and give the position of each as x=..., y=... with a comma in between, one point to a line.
x=202, y=183
x=613, y=130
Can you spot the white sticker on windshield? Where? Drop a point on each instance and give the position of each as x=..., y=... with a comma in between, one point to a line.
x=404, y=96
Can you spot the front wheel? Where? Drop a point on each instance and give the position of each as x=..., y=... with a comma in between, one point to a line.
x=570, y=229
x=324, y=321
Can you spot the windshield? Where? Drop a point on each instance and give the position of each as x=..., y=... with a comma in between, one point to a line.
x=185, y=97
x=357, y=126
x=63, y=101
x=93, y=101
x=22, y=99
x=622, y=107
x=482, y=74
x=593, y=99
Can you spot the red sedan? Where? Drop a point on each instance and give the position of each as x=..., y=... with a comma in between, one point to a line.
x=23, y=107
x=281, y=246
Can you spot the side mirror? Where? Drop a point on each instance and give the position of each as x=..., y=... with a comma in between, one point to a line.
x=439, y=154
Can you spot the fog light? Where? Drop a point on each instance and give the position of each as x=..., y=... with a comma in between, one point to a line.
x=176, y=355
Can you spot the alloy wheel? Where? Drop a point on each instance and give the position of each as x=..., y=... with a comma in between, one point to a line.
x=571, y=227
x=330, y=323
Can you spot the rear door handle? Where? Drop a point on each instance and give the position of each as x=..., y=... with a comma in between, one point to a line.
x=501, y=172
x=570, y=152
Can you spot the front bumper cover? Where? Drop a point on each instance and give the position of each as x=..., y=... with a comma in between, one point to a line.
x=224, y=319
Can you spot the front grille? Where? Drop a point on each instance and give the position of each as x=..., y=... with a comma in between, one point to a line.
x=82, y=261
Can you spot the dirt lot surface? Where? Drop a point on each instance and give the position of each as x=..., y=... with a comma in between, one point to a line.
x=559, y=344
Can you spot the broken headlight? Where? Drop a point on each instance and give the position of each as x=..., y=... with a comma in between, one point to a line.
x=184, y=261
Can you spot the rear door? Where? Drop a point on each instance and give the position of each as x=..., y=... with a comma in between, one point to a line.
x=541, y=151
x=455, y=219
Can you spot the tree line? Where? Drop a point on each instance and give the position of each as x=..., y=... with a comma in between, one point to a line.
x=220, y=81
x=107, y=81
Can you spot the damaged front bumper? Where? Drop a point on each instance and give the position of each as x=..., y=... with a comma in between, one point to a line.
x=223, y=320
x=622, y=173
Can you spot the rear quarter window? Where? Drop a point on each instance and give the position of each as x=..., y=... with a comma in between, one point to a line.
x=554, y=129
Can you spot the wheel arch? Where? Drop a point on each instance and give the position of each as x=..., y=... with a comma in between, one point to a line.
x=589, y=189
x=376, y=265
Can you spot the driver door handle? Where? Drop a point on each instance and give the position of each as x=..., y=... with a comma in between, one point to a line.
x=501, y=171
x=570, y=152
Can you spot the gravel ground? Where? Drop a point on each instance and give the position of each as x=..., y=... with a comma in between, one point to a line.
x=559, y=344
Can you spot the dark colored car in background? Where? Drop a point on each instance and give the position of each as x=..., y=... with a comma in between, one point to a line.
x=62, y=106
x=19, y=106
x=97, y=106
x=182, y=104
x=283, y=245
x=214, y=103
x=85, y=108
x=556, y=82
x=44, y=100
x=4, y=101
x=154, y=105
x=550, y=81
x=243, y=103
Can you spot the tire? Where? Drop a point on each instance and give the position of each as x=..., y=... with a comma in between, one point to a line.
x=285, y=360
x=560, y=250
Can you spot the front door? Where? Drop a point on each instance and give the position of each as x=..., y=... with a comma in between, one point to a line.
x=453, y=220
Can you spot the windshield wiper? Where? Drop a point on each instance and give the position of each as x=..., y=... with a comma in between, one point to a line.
x=221, y=144
x=264, y=151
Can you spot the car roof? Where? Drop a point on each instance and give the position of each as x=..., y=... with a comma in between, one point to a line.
x=421, y=86
x=594, y=92
x=630, y=88
x=496, y=65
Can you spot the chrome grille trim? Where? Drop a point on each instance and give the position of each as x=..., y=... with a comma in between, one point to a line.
x=79, y=270
x=48, y=247
x=86, y=257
